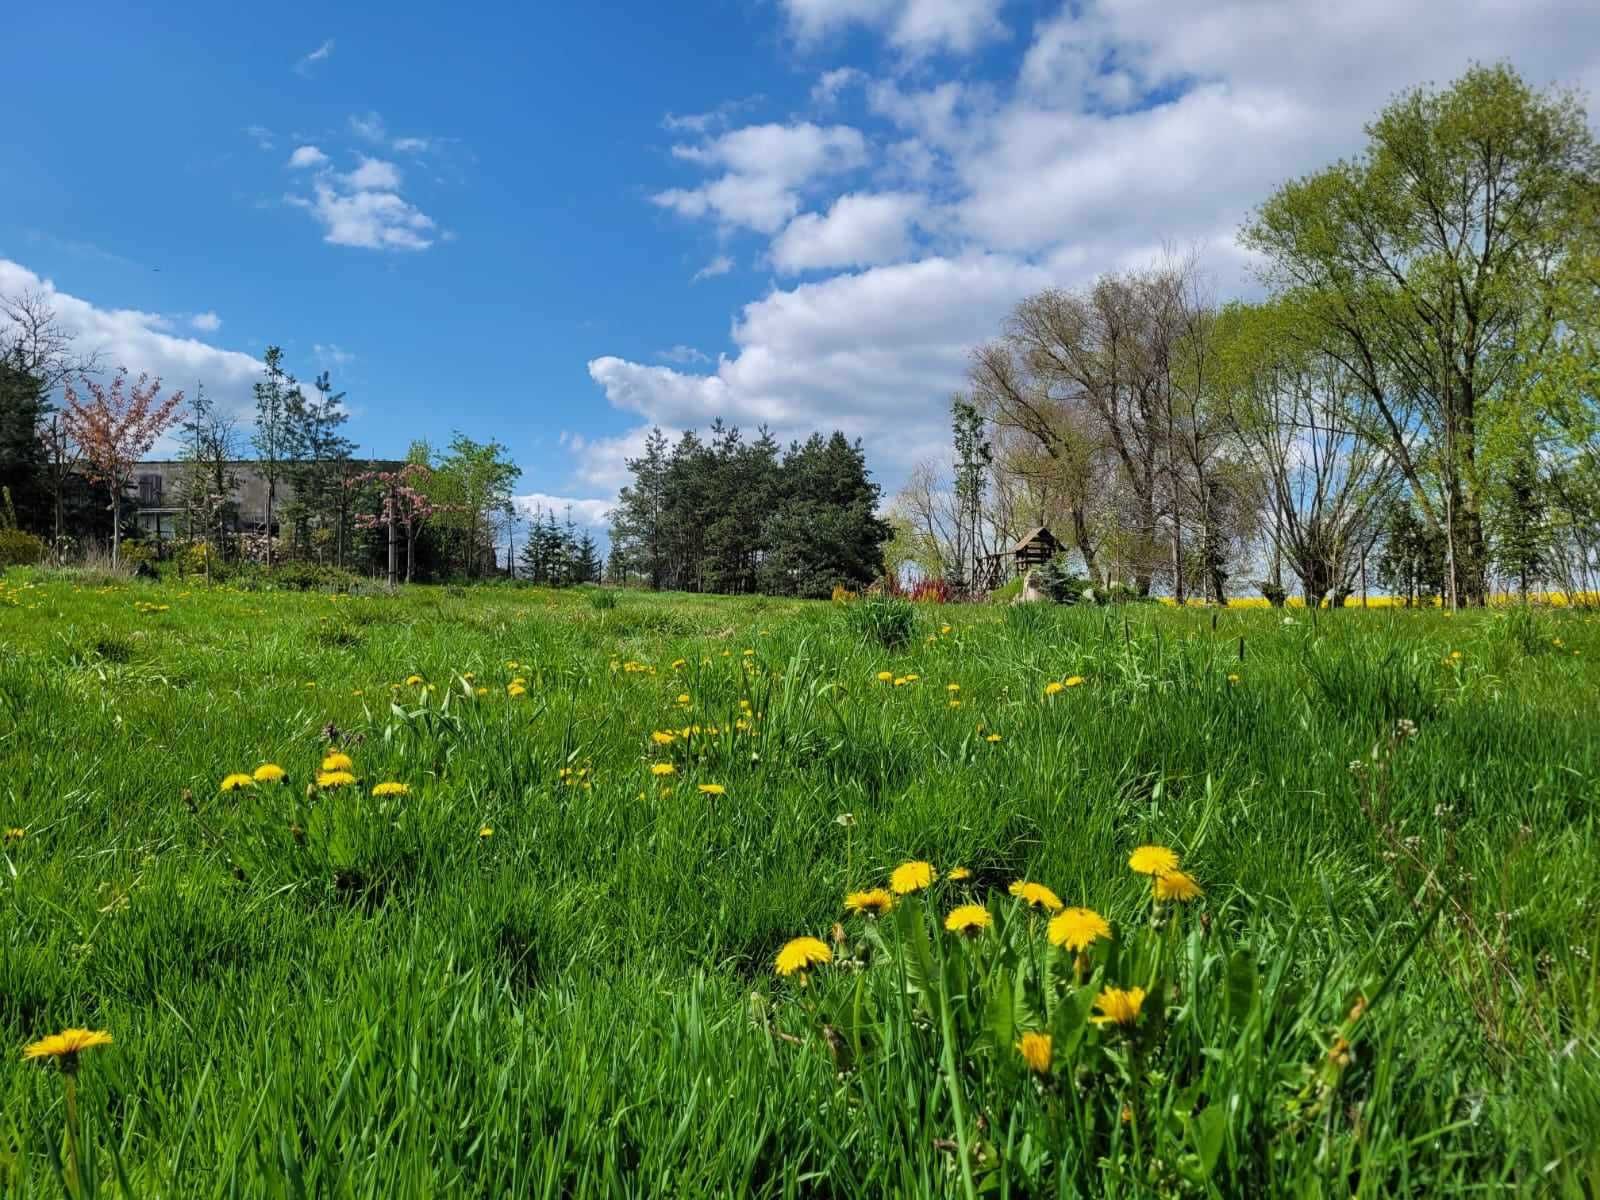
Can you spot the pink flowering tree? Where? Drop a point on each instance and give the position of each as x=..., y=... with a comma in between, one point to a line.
x=114, y=427
x=404, y=509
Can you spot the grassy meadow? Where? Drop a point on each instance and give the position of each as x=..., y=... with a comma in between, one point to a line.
x=546, y=967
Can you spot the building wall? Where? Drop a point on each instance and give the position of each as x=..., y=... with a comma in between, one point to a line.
x=157, y=493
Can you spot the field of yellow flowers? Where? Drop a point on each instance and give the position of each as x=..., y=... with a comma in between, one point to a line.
x=506, y=892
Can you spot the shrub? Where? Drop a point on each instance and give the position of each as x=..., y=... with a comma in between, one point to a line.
x=887, y=620
x=297, y=577
x=19, y=548
x=1275, y=593
x=1058, y=582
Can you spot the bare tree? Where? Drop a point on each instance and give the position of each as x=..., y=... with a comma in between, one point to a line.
x=32, y=335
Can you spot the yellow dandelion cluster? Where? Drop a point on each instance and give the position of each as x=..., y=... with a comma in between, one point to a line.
x=1036, y=895
x=335, y=779
x=663, y=769
x=872, y=903
x=1035, y=1049
x=911, y=877
x=801, y=954
x=1054, y=688
x=236, y=781
x=67, y=1045
x=1077, y=928
x=711, y=789
x=1177, y=885
x=663, y=737
x=1118, y=1006
x=1153, y=860
x=337, y=762
x=269, y=773
x=391, y=788
x=968, y=919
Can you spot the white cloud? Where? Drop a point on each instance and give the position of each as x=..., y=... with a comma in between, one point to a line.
x=318, y=55
x=369, y=126
x=1126, y=126
x=860, y=229
x=412, y=145
x=913, y=26
x=720, y=265
x=586, y=514
x=764, y=169
x=261, y=135
x=136, y=340
x=330, y=355
x=206, y=322
x=373, y=220
x=373, y=175
x=875, y=354
x=307, y=156
x=825, y=92
x=683, y=355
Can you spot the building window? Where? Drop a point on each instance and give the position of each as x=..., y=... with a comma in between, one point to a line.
x=150, y=490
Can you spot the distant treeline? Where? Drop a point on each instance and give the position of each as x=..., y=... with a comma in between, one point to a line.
x=719, y=514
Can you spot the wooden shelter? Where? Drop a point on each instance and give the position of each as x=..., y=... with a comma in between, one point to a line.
x=1033, y=549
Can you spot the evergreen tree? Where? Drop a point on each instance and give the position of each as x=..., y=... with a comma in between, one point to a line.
x=24, y=470
x=638, y=540
x=825, y=531
x=1520, y=529
x=586, y=560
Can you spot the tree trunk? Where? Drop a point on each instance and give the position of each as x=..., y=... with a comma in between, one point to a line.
x=116, y=525
x=393, y=546
x=272, y=494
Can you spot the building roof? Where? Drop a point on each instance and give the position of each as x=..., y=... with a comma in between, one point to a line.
x=1038, y=534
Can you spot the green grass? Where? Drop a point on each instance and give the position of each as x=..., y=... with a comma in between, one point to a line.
x=341, y=996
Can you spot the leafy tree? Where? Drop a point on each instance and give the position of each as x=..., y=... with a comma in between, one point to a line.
x=470, y=483
x=320, y=461
x=1520, y=528
x=1425, y=267
x=974, y=458
x=277, y=395
x=404, y=508
x=115, y=429
x=825, y=531
x=24, y=469
x=209, y=482
x=638, y=538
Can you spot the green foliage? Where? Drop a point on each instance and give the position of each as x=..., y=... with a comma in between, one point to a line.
x=887, y=621
x=20, y=548
x=392, y=1003
x=1058, y=581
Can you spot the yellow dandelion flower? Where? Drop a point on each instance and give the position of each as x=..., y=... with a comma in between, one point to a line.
x=516, y=689
x=957, y=874
x=663, y=769
x=338, y=762
x=14, y=835
x=683, y=698
x=663, y=737
x=1075, y=681
x=484, y=831
x=1077, y=928
x=991, y=738
x=954, y=704
x=67, y=1045
x=885, y=676
x=413, y=680
x=335, y=779
x=911, y=877
x=952, y=687
x=1233, y=678
x=1036, y=895
x=1054, y=688
x=944, y=628
x=269, y=773
x=1153, y=860
x=802, y=954
x=711, y=789
x=968, y=919
x=912, y=678
x=392, y=788
x=481, y=691
x=1176, y=885
x=1118, y=1006
x=872, y=903
x=1035, y=1049
x=679, y=664
x=232, y=783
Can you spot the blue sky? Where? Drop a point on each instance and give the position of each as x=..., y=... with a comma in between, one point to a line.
x=555, y=225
